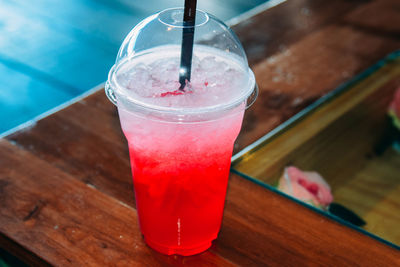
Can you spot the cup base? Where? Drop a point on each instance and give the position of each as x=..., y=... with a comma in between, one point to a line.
x=179, y=251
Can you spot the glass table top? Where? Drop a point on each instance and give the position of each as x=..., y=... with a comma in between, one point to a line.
x=348, y=138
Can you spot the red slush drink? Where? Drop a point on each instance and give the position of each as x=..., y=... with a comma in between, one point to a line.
x=180, y=141
x=180, y=165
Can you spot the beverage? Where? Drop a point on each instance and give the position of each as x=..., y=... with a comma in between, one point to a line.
x=180, y=167
x=180, y=141
x=180, y=194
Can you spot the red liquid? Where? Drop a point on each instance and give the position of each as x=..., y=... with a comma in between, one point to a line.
x=182, y=208
x=180, y=177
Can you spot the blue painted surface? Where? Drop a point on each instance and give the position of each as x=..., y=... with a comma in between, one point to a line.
x=54, y=50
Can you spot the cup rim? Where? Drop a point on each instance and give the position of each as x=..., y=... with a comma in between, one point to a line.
x=114, y=91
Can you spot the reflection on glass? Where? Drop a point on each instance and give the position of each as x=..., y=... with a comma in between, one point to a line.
x=348, y=138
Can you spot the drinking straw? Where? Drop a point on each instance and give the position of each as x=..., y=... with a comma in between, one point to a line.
x=189, y=17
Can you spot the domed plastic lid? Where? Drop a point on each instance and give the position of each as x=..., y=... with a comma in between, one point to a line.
x=146, y=72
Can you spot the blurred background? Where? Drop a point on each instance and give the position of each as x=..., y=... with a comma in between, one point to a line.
x=54, y=50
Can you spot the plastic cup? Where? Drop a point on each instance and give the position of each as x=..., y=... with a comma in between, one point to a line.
x=180, y=143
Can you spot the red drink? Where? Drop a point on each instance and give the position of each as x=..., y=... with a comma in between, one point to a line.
x=180, y=177
x=180, y=141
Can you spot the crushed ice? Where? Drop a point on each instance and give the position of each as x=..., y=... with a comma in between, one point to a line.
x=211, y=80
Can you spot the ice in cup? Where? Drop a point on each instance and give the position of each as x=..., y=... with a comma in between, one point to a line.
x=180, y=141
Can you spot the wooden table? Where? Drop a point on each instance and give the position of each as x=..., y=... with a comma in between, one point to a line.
x=65, y=184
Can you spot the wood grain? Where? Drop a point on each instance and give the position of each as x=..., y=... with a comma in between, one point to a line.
x=99, y=163
x=42, y=210
x=338, y=140
x=374, y=193
x=73, y=165
x=272, y=157
x=275, y=31
x=50, y=210
x=275, y=231
x=310, y=68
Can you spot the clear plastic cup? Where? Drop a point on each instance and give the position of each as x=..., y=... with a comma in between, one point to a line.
x=180, y=142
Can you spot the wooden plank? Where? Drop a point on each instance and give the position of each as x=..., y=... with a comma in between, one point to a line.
x=36, y=209
x=263, y=228
x=310, y=68
x=259, y=227
x=21, y=253
x=272, y=157
x=69, y=223
x=107, y=166
x=99, y=162
x=374, y=193
x=107, y=128
x=338, y=141
x=274, y=31
x=377, y=23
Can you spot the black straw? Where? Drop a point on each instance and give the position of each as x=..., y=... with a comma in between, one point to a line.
x=189, y=17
